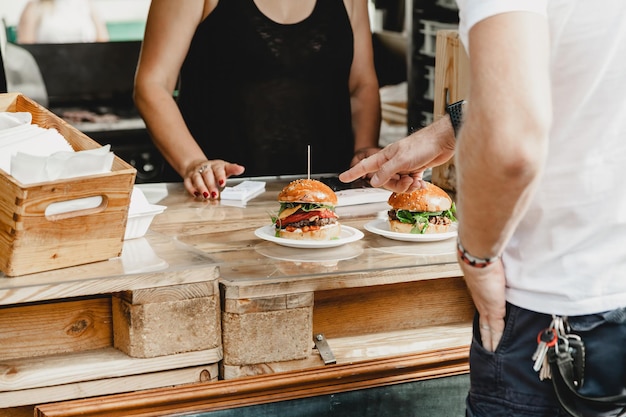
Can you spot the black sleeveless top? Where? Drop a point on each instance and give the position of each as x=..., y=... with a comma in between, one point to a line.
x=256, y=92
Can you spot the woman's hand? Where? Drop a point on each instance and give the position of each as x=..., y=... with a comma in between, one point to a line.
x=205, y=178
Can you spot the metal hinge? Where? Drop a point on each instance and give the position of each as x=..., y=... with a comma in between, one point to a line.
x=322, y=346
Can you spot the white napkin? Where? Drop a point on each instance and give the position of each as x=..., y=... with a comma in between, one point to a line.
x=31, y=153
x=28, y=168
x=12, y=119
x=243, y=191
x=357, y=196
x=30, y=139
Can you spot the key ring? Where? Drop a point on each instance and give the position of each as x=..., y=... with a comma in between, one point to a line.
x=553, y=340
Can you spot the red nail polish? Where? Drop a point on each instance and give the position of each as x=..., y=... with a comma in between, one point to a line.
x=221, y=182
x=197, y=193
x=213, y=194
x=205, y=194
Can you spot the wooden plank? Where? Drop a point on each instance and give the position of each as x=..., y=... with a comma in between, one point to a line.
x=237, y=289
x=285, y=386
x=230, y=372
x=107, y=386
x=37, y=372
x=54, y=328
x=169, y=293
x=451, y=85
x=401, y=342
x=25, y=411
x=180, y=264
x=370, y=310
x=264, y=304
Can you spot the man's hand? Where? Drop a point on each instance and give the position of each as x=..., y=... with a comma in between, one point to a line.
x=487, y=287
x=400, y=166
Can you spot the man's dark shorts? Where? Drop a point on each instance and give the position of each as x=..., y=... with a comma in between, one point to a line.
x=503, y=383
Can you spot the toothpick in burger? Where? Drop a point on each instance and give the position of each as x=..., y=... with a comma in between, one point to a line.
x=427, y=210
x=307, y=211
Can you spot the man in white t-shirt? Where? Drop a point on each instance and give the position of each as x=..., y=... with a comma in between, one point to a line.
x=541, y=201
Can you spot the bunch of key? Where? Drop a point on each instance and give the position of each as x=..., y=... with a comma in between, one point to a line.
x=555, y=344
x=546, y=339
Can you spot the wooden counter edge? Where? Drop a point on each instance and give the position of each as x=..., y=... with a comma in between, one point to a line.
x=268, y=388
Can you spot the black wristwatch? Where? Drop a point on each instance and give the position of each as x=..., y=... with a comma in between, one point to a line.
x=455, y=110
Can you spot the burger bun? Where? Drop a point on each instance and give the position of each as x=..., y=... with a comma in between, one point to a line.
x=399, y=227
x=308, y=191
x=429, y=198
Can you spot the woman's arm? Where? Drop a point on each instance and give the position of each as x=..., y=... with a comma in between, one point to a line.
x=169, y=30
x=364, y=90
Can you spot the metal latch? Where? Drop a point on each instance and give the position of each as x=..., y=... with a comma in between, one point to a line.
x=322, y=346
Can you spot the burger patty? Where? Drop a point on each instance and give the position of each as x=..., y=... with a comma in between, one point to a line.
x=435, y=220
x=313, y=221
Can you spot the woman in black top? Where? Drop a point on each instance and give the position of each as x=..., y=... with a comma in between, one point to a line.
x=260, y=80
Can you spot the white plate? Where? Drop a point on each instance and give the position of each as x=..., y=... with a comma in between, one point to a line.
x=348, y=234
x=381, y=227
x=322, y=256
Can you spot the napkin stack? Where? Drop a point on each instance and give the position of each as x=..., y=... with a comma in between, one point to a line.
x=34, y=154
x=243, y=191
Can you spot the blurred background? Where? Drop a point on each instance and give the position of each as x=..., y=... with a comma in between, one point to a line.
x=125, y=19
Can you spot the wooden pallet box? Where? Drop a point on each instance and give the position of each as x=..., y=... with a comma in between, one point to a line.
x=100, y=328
x=30, y=240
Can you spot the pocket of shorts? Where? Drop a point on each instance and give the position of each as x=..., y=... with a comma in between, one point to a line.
x=509, y=323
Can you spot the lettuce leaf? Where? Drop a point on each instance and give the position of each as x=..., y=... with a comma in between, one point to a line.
x=419, y=218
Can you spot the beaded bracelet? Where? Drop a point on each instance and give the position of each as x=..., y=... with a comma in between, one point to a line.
x=471, y=260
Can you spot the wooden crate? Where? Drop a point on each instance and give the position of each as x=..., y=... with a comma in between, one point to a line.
x=30, y=240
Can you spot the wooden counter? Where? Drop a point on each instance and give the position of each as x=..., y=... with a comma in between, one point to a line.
x=373, y=299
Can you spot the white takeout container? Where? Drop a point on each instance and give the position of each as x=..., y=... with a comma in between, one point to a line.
x=140, y=214
x=138, y=223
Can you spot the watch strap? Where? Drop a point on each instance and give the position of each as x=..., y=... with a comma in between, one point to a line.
x=455, y=110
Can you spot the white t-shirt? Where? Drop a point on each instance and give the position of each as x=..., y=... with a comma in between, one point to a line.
x=67, y=21
x=568, y=255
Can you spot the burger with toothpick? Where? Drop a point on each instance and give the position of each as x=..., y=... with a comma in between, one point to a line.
x=307, y=211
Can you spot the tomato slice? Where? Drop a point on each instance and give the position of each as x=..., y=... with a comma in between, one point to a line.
x=303, y=215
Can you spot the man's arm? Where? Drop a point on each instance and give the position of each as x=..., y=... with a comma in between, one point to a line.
x=502, y=145
x=501, y=150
